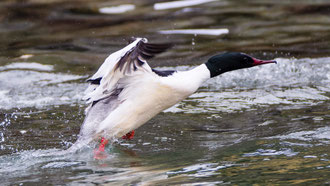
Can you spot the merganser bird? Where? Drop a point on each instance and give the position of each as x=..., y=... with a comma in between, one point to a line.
x=126, y=92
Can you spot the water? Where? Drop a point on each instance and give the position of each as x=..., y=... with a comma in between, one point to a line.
x=264, y=125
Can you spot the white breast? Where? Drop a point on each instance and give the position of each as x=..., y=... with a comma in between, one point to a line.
x=151, y=95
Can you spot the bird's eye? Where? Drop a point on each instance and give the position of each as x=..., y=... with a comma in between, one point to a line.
x=246, y=59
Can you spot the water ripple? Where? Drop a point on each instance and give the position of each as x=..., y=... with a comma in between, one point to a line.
x=27, y=85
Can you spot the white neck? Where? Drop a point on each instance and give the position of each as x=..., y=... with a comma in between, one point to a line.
x=189, y=80
x=198, y=74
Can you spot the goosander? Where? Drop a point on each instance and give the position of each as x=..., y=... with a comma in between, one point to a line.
x=126, y=92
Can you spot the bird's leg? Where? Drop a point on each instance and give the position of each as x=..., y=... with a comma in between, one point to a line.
x=99, y=153
x=103, y=143
x=129, y=135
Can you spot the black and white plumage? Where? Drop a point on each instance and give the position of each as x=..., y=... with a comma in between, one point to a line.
x=125, y=92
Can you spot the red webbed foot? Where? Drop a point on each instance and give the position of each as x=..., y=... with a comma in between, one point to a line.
x=99, y=153
x=129, y=135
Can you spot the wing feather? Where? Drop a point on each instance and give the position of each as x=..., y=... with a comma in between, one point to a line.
x=129, y=61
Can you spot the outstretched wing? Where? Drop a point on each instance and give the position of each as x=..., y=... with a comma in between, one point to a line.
x=129, y=61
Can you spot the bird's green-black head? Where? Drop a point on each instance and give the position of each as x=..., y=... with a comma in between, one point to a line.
x=229, y=61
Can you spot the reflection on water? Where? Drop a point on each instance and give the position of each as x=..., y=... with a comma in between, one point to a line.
x=30, y=65
x=263, y=125
x=117, y=9
x=212, y=32
x=179, y=4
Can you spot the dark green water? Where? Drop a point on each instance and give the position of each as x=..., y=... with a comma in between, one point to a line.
x=264, y=126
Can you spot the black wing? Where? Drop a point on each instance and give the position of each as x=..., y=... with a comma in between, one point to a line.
x=138, y=56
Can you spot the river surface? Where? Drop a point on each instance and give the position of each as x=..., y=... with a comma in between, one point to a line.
x=263, y=125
